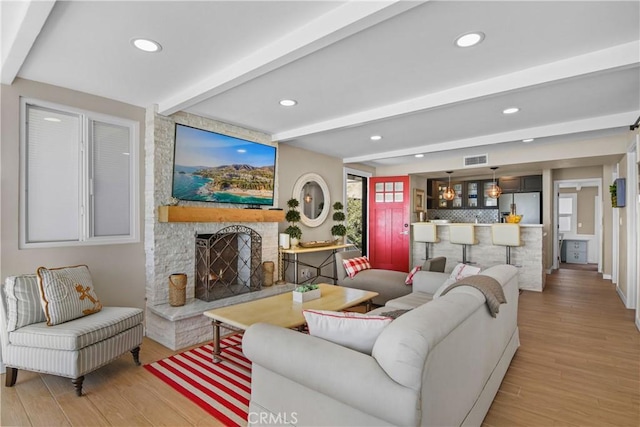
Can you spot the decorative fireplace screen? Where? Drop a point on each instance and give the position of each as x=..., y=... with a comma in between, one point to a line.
x=228, y=263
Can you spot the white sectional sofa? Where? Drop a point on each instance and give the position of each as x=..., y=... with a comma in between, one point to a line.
x=439, y=364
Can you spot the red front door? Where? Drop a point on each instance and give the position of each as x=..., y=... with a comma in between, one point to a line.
x=389, y=222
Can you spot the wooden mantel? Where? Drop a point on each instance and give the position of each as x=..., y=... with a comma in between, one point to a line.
x=205, y=214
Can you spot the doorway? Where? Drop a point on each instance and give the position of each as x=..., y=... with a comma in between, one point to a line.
x=578, y=224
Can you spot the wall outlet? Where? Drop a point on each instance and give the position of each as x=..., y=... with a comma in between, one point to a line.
x=305, y=273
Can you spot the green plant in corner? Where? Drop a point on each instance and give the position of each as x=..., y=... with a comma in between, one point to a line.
x=338, y=229
x=613, y=189
x=293, y=216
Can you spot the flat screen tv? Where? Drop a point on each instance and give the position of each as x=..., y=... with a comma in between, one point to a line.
x=211, y=167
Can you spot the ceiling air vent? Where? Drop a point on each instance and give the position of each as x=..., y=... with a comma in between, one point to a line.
x=479, y=160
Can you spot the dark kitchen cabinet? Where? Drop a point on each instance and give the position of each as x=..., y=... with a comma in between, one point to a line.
x=520, y=184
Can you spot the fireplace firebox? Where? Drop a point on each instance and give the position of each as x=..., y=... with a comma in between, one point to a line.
x=228, y=263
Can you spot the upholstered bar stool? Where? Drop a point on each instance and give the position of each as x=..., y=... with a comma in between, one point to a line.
x=465, y=235
x=427, y=233
x=506, y=235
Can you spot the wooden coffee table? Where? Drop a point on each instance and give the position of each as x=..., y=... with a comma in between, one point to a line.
x=280, y=310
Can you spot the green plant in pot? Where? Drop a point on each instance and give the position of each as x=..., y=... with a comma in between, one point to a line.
x=293, y=216
x=338, y=231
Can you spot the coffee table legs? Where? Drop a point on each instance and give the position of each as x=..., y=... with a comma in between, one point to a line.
x=216, y=341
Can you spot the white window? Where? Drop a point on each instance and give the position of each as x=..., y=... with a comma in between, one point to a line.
x=78, y=177
x=567, y=213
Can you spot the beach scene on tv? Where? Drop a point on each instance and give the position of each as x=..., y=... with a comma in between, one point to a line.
x=211, y=167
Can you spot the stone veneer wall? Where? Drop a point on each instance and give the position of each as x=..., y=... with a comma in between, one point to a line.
x=529, y=257
x=170, y=247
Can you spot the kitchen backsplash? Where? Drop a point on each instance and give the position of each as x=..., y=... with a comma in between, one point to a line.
x=485, y=216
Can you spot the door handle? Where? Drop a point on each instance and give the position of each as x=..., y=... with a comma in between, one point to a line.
x=404, y=232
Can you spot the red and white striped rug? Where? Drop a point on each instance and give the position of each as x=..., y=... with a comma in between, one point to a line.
x=222, y=389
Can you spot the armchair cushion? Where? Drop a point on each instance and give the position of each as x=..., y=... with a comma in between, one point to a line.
x=79, y=333
x=67, y=293
x=23, y=301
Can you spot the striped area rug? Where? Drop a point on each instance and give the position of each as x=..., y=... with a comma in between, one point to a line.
x=222, y=389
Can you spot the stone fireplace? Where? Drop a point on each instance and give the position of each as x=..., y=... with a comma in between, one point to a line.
x=228, y=263
x=170, y=248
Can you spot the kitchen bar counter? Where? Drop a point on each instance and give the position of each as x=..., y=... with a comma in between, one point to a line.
x=528, y=257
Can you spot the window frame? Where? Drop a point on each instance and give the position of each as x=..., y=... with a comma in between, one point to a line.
x=85, y=212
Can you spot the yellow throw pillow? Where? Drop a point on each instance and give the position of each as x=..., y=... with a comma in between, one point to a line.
x=67, y=293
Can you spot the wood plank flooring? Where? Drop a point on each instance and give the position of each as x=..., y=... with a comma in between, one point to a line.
x=578, y=365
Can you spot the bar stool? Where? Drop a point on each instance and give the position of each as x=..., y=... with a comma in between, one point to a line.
x=465, y=235
x=506, y=235
x=427, y=233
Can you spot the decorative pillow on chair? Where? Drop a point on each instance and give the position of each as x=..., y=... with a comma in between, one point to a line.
x=23, y=301
x=353, y=265
x=353, y=330
x=409, y=279
x=67, y=293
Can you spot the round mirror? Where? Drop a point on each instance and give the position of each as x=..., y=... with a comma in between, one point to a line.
x=313, y=194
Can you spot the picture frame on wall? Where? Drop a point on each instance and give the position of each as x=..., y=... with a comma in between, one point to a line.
x=418, y=200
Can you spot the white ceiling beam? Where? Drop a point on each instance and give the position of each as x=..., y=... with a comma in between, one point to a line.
x=556, y=129
x=615, y=57
x=342, y=22
x=21, y=23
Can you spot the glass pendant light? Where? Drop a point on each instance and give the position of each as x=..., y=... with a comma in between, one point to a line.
x=449, y=194
x=494, y=191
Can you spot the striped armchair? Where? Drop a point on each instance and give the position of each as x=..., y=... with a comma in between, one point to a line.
x=70, y=349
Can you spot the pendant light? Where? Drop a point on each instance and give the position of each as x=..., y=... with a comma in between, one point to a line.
x=449, y=194
x=494, y=191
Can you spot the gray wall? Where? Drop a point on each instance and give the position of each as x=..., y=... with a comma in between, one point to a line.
x=118, y=270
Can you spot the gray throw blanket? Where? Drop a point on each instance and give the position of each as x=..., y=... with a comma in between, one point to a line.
x=490, y=288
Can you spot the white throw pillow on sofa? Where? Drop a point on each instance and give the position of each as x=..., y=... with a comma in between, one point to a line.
x=353, y=330
x=459, y=272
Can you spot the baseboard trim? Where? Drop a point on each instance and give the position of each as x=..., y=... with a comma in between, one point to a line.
x=606, y=276
x=621, y=295
x=638, y=323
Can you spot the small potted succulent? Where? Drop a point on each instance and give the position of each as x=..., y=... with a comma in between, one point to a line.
x=293, y=216
x=304, y=293
x=338, y=231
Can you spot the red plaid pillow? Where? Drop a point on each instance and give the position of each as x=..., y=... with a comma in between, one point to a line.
x=409, y=279
x=354, y=265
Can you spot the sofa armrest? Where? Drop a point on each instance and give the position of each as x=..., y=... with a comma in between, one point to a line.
x=346, y=375
x=428, y=281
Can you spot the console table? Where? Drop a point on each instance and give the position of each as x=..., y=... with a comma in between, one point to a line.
x=291, y=256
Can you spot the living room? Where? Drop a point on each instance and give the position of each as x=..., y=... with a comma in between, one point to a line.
x=589, y=147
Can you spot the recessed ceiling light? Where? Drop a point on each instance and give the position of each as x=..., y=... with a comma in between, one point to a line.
x=469, y=39
x=288, y=102
x=419, y=156
x=146, y=45
x=510, y=110
x=241, y=150
x=528, y=140
x=376, y=137
x=52, y=119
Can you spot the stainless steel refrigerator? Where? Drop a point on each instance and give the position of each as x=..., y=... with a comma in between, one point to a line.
x=529, y=205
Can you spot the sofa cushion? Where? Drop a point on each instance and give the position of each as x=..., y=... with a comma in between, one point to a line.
x=353, y=330
x=23, y=301
x=67, y=293
x=79, y=333
x=410, y=301
x=354, y=265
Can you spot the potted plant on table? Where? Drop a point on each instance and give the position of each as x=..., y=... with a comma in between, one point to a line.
x=338, y=231
x=304, y=293
x=293, y=216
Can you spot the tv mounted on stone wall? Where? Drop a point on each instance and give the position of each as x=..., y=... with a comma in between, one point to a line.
x=212, y=167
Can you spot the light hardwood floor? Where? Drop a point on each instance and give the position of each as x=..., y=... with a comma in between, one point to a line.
x=578, y=365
